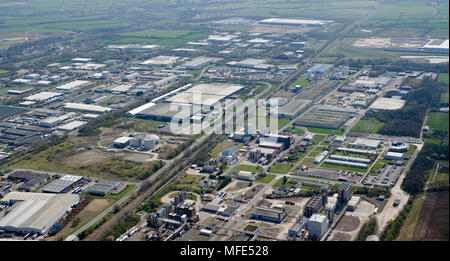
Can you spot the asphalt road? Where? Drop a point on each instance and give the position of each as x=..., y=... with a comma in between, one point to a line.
x=199, y=141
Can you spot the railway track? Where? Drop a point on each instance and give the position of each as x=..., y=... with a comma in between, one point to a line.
x=157, y=186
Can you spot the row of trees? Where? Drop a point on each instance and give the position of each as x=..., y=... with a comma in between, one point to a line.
x=408, y=65
x=393, y=228
x=368, y=228
x=408, y=120
x=417, y=176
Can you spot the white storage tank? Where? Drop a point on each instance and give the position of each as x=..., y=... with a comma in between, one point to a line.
x=149, y=144
x=205, y=232
x=150, y=141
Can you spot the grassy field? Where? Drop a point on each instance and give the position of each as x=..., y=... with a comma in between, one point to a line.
x=443, y=78
x=376, y=166
x=401, y=16
x=412, y=149
x=139, y=124
x=316, y=151
x=371, y=125
x=70, y=157
x=439, y=177
x=282, y=122
x=317, y=139
x=94, y=208
x=445, y=97
x=430, y=140
x=279, y=183
x=267, y=179
x=224, y=146
x=150, y=18
x=408, y=226
x=187, y=183
x=300, y=81
x=250, y=168
x=189, y=195
x=281, y=168
x=438, y=121
x=298, y=131
x=326, y=131
x=158, y=34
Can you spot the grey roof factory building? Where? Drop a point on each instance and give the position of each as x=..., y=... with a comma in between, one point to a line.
x=35, y=212
x=7, y=111
x=63, y=184
x=163, y=112
x=269, y=214
x=31, y=179
x=293, y=108
x=103, y=187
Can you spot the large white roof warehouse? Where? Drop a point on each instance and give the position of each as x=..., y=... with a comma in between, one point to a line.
x=293, y=22
x=73, y=85
x=387, y=104
x=43, y=96
x=207, y=94
x=35, y=212
x=86, y=107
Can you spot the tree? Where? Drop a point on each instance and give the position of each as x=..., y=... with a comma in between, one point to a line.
x=75, y=222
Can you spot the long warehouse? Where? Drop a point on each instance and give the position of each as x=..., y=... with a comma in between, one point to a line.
x=345, y=163
x=351, y=159
x=35, y=212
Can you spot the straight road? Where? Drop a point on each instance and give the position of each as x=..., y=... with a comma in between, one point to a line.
x=157, y=175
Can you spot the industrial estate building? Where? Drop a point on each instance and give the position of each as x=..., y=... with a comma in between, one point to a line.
x=292, y=108
x=293, y=22
x=63, y=184
x=161, y=60
x=314, y=205
x=319, y=118
x=103, y=187
x=31, y=180
x=317, y=225
x=387, y=104
x=436, y=46
x=73, y=85
x=393, y=156
x=169, y=112
x=365, y=143
x=345, y=192
x=199, y=63
x=80, y=107
x=346, y=163
x=43, y=96
x=35, y=212
x=269, y=214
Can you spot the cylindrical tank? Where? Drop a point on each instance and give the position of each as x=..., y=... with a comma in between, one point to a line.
x=136, y=142
x=150, y=141
x=149, y=144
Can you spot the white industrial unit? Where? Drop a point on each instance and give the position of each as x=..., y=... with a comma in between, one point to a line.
x=393, y=156
x=317, y=224
x=35, y=212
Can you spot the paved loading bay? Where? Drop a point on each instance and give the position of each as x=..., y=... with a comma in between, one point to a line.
x=348, y=227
